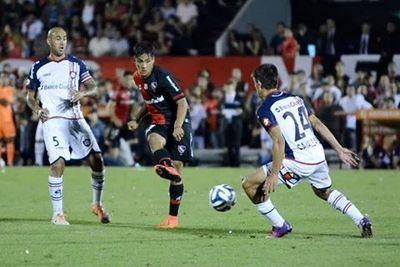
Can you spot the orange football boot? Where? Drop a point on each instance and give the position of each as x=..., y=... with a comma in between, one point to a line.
x=168, y=172
x=100, y=212
x=169, y=223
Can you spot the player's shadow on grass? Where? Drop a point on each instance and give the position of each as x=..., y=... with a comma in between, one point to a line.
x=24, y=220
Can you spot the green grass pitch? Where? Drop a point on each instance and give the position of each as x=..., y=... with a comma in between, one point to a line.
x=137, y=200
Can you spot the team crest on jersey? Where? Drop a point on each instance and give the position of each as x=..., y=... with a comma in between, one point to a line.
x=86, y=142
x=72, y=74
x=181, y=149
x=265, y=121
x=153, y=86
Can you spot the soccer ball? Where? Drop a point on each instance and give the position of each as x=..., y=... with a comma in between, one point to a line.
x=222, y=197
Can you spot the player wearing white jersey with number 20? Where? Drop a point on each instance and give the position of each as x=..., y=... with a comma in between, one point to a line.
x=296, y=155
x=55, y=86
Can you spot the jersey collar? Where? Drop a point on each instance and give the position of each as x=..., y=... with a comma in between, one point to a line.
x=274, y=92
x=61, y=59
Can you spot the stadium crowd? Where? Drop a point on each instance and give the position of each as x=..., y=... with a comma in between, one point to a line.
x=99, y=28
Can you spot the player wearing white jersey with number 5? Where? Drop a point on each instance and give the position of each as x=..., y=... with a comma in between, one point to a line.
x=297, y=154
x=55, y=86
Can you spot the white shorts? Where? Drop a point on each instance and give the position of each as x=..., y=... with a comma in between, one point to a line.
x=39, y=132
x=293, y=172
x=62, y=134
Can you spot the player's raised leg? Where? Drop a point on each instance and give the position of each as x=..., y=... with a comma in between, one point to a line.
x=175, y=195
x=57, y=192
x=253, y=185
x=338, y=201
x=98, y=172
x=164, y=165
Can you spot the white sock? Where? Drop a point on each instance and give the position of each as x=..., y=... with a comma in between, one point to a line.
x=97, y=187
x=340, y=202
x=56, y=194
x=268, y=210
x=39, y=151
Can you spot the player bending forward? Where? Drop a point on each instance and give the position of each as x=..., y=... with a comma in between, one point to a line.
x=297, y=154
x=170, y=133
x=55, y=83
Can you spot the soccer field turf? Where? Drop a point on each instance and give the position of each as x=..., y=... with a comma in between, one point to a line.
x=137, y=200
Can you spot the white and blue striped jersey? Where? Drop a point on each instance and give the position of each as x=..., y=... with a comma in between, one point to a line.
x=291, y=115
x=54, y=81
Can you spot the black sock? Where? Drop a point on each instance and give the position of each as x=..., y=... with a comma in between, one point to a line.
x=162, y=156
x=175, y=194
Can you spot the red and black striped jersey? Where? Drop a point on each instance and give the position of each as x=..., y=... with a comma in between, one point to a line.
x=160, y=92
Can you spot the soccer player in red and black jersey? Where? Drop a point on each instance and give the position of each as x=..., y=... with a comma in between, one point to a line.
x=170, y=134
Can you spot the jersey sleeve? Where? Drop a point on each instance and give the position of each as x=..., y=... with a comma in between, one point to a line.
x=266, y=118
x=172, y=88
x=84, y=74
x=32, y=83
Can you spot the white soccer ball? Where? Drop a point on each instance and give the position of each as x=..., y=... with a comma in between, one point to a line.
x=222, y=197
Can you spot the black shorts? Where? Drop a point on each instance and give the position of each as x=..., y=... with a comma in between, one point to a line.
x=180, y=150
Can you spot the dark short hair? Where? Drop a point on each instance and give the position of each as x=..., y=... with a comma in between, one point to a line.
x=144, y=47
x=267, y=74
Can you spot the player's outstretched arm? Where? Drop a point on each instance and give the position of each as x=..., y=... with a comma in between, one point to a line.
x=32, y=102
x=90, y=89
x=134, y=123
x=180, y=117
x=278, y=153
x=345, y=155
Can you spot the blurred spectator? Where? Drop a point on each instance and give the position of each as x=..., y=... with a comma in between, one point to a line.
x=187, y=13
x=361, y=78
x=154, y=25
x=88, y=12
x=392, y=71
x=97, y=127
x=278, y=38
x=396, y=154
x=99, y=45
x=51, y=12
x=31, y=28
x=167, y=10
x=40, y=50
x=11, y=43
x=341, y=79
x=377, y=153
x=212, y=105
x=12, y=12
x=290, y=49
x=350, y=104
x=255, y=44
x=198, y=118
x=326, y=113
x=330, y=46
x=119, y=45
x=112, y=155
x=303, y=38
x=303, y=88
x=232, y=106
x=235, y=44
x=365, y=43
x=389, y=44
x=240, y=85
x=204, y=84
x=79, y=44
x=328, y=85
x=317, y=75
x=164, y=44
x=7, y=126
